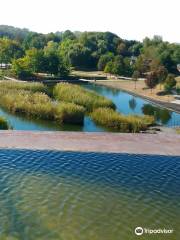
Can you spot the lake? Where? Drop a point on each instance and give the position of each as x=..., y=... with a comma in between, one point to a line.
x=125, y=103
x=54, y=195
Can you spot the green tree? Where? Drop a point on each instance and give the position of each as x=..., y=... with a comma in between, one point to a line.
x=135, y=76
x=104, y=59
x=36, y=60
x=170, y=83
x=21, y=69
x=9, y=50
x=151, y=80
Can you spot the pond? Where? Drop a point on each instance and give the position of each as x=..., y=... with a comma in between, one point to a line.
x=87, y=196
x=129, y=104
x=125, y=103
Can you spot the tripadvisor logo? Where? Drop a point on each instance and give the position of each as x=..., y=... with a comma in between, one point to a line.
x=140, y=231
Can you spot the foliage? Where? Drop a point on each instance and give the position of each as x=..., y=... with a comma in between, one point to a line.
x=135, y=76
x=104, y=59
x=90, y=50
x=21, y=68
x=9, y=49
x=151, y=79
x=78, y=95
x=3, y=124
x=28, y=86
x=39, y=105
x=170, y=83
x=109, y=118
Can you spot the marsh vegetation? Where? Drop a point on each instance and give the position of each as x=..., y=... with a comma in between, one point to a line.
x=111, y=119
x=67, y=103
x=78, y=95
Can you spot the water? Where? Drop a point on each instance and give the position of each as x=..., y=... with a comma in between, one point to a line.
x=125, y=103
x=52, y=195
x=128, y=104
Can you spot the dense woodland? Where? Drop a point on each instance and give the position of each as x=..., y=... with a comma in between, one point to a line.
x=57, y=53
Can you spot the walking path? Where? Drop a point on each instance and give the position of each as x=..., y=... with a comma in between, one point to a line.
x=161, y=144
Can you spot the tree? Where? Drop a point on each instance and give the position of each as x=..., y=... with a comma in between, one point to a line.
x=36, y=60
x=109, y=67
x=135, y=76
x=118, y=66
x=9, y=50
x=104, y=59
x=170, y=83
x=21, y=69
x=162, y=74
x=151, y=80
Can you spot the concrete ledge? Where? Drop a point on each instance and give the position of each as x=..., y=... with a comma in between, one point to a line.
x=161, y=144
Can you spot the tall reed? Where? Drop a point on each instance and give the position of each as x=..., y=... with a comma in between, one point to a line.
x=109, y=118
x=76, y=94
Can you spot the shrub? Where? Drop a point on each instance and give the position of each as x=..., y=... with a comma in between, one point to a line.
x=170, y=83
x=109, y=118
x=78, y=95
x=3, y=124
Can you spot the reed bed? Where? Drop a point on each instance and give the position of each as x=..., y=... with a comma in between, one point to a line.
x=111, y=119
x=39, y=105
x=76, y=94
x=28, y=86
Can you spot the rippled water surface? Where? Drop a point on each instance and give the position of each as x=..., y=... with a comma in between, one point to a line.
x=87, y=196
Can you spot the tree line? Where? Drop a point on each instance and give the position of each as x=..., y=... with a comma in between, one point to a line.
x=56, y=53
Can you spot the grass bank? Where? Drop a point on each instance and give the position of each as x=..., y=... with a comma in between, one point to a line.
x=109, y=118
x=76, y=94
x=39, y=105
x=28, y=86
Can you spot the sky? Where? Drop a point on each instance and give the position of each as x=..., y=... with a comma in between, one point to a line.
x=130, y=19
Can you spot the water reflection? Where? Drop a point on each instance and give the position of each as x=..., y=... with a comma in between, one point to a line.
x=132, y=104
x=128, y=104
x=161, y=115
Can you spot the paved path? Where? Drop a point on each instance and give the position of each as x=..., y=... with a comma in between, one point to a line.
x=162, y=144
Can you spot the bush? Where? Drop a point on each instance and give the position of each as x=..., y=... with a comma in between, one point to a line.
x=76, y=94
x=3, y=124
x=109, y=118
x=39, y=105
x=170, y=83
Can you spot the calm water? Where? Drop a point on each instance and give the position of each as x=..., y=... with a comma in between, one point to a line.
x=128, y=104
x=51, y=195
x=125, y=103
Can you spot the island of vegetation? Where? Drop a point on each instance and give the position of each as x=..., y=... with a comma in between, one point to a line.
x=31, y=56
x=67, y=103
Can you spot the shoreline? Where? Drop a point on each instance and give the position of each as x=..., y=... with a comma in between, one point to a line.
x=168, y=105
